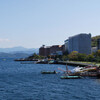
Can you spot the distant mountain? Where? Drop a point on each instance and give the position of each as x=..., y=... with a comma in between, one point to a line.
x=19, y=50
x=16, y=55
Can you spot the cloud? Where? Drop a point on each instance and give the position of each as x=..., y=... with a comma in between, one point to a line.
x=4, y=40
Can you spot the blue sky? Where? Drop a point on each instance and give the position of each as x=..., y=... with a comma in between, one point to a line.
x=32, y=23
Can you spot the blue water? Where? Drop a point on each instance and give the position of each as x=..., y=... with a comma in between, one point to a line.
x=25, y=82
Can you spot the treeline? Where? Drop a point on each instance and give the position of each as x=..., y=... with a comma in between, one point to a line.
x=73, y=56
x=35, y=56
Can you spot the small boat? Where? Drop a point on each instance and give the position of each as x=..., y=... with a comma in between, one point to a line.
x=78, y=69
x=70, y=77
x=48, y=72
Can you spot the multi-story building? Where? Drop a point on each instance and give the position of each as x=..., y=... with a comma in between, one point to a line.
x=51, y=50
x=93, y=49
x=57, y=50
x=47, y=50
x=80, y=43
x=44, y=51
x=98, y=44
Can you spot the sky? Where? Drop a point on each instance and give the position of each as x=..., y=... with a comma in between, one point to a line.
x=32, y=23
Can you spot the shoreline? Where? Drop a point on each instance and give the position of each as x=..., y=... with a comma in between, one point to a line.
x=73, y=63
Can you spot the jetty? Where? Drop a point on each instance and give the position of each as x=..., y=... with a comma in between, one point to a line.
x=79, y=64
x=73, y=63
x=43, y=61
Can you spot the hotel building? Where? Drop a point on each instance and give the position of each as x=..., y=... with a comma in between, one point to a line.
x=80, y=43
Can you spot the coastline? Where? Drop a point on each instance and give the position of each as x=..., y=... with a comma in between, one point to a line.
x=76, y=63
x=73, y=63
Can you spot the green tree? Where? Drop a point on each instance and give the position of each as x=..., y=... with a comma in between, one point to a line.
x=64, y=57
x=81, y=57
x=73, y=56
x=35, y=56
x=98, y=53
x=90, y=57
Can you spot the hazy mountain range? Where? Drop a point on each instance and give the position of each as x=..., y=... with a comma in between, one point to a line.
x=18, y=52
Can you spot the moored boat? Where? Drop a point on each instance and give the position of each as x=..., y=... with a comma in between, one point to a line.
x=70, y=77
x=48, y=72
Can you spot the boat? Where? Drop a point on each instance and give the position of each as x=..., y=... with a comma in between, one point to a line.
x=78, y=69
x=48, y=72
x=70, y=77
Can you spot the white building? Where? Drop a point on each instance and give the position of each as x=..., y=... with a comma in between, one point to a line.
x=80, y=43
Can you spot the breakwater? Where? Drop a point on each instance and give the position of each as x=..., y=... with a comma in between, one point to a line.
x=68, y=63
x=75, y=63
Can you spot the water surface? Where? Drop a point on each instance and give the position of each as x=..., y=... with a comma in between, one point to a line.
x=25, y=82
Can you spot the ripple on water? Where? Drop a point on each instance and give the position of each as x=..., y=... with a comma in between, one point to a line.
x=25, y=82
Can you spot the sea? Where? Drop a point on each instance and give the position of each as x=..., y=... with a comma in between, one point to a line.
x=25, y=82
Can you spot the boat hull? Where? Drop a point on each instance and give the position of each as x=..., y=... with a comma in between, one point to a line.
x=48, y=72
x=70, y=77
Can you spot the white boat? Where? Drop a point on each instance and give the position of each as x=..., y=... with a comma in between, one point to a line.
x=77, y=69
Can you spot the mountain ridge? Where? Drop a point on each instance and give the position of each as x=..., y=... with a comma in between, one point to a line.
x=19, y=49
x=17, y=52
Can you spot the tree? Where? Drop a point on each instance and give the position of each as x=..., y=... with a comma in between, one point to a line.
x=81, y=57
x=90, y=57
x=64, y=57
x=35, y=56
x=73, y=56
x=98, y=53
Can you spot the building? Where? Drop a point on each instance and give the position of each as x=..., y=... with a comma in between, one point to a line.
x=93, y=49
x=98, y=44
x=47, y=50
x=80, y=43
x=51, y=50
x=42, y=51
x=56, y=50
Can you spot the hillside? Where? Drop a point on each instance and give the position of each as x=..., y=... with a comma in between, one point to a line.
x=19, y=50
x=16, y=55
x=94, y=40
